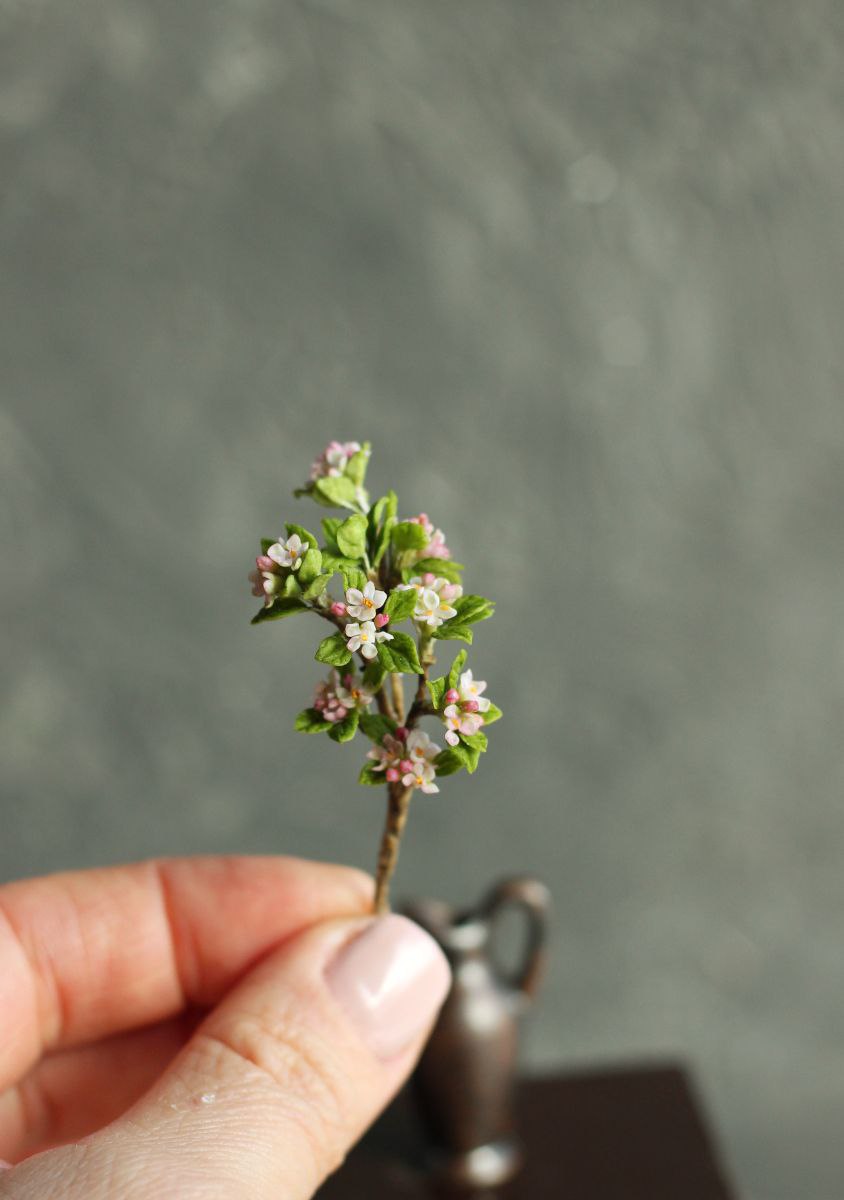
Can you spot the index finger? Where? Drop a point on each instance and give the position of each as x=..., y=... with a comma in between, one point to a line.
x=90, y=953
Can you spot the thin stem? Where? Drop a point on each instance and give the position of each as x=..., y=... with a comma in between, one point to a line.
x=398, y=807
x=397, y=692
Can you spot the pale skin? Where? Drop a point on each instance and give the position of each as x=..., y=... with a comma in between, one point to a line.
x=166, y=1031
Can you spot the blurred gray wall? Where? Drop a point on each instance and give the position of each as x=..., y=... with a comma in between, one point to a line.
x=578, y=272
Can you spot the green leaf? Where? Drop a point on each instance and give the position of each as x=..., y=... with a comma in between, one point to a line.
x=335, y=491
x=291, y=587
x=400, y=655
x=493, y=713
x=475, y=741
x=316, y=587
x=444, y=567
x=266, y=543
x=408, y=535
x=337, y=562
x=330, y=525
x=310, y=720
x=373, y=675
x=468, y=756
x=351, y=536
x=304, y=535
x=332, y=650
x=344, y=731
x=369, y=777
x=311, y=566
x=456, y=667
x=382, y=518
x=376, y=726
x=354, y=577
x=448, y=762
x=450, y=631
x=357, y=464
x=400, y=604
x=437, y=689
x=472, y=608
x=281, y=607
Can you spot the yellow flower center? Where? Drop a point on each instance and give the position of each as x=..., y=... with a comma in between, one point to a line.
x=367, y=603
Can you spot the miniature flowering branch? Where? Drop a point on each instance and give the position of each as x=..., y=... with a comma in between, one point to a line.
x=391, y=571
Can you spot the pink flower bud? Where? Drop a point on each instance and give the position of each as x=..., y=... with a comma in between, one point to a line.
x=428, y=578
x=401, y=733
x=319, y=704
x=406, y=765
x=264, y=563
x=381, y=620
x=393, y=775
x=452, y=696
x=340, y=712
x=338, y=609
x=470, y=706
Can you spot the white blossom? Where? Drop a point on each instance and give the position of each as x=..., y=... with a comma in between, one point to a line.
x=472, y=689
x=364, y=637
x=364, y=604
x=289, y=553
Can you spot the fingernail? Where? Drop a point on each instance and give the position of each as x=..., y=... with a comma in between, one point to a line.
x=391, y=980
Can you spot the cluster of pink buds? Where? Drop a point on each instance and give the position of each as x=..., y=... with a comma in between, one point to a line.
x=333, y=460
x=436, y=547
x=335, y=699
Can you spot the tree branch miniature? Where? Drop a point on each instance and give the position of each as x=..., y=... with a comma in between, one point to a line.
x=392, y=571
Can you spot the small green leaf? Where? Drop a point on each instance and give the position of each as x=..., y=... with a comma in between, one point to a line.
x=310, y=720
x=408, y=535
x=493, y=713
x=303, y=533
x=382, y=518
x=472, y=608
x=316, y=587
x=475, y=741
x=357, y=464
x=468, y=755
x=450, y=631
x=373, y=675
x=400, y=604
x=456, y=667
x=437, y=689
x=291, y=587
x=369, y=777
x=311, y=566
x=376, y=726
x=332, y=650
x=400, y=655
x=443, y=567
x=337, y=562
x=330, y=525
x=448, y=762
x=335, y=491
x=281, y=607
x=353, y=577
x=351, y=536
x=344, y=731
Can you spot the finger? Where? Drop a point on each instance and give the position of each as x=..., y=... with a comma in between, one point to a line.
x=72, y=1093
x=277, y=1083
x=87, y=954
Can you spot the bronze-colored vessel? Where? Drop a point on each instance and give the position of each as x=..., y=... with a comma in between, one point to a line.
x=465, y=1080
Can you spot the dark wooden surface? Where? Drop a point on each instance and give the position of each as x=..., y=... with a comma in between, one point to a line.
x=626, y=1134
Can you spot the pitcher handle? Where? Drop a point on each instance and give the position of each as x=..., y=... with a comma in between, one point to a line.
x=534, y=899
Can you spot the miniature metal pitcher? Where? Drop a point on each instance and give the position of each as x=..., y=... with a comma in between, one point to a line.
x=465, y=1081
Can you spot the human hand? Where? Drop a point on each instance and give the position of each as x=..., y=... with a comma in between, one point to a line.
x=197, y=1028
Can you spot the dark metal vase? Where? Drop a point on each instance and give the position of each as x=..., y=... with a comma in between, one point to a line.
x=465, y=1081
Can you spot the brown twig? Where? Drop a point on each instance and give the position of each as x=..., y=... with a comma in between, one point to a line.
x=398, y=807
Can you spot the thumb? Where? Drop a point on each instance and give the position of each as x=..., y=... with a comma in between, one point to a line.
x=277, y=1083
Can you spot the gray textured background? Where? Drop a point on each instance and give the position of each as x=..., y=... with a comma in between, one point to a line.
x=576, y=270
